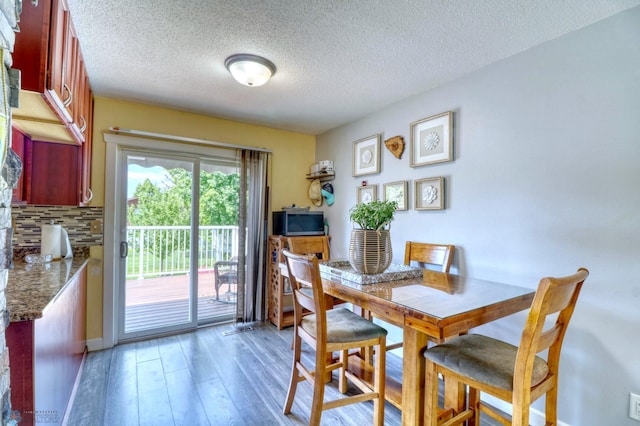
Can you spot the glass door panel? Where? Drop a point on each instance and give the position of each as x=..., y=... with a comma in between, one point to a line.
x=158, y=287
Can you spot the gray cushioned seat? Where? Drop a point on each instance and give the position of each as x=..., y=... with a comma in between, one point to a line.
x=483, y=359
x=344, y=326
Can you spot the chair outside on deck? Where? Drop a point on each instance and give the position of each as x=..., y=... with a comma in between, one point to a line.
x=328, y=331
x=513, y=374
x=226, y=272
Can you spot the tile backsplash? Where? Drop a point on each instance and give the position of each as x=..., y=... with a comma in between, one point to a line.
x=28, y=220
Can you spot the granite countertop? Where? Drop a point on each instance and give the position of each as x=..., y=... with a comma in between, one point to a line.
x=31, y=287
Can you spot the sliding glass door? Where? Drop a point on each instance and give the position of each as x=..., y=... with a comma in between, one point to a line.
x=178, y=242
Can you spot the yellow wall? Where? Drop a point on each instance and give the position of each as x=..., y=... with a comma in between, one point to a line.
x=292, y=154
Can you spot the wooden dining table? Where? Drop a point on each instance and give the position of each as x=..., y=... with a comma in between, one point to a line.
x=431, y=308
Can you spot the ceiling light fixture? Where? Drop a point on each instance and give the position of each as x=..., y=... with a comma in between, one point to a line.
x=250, y=70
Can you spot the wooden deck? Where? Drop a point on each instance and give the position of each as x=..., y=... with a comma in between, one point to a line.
x=154, y=302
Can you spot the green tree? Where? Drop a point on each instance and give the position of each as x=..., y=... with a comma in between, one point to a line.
x=169, y=204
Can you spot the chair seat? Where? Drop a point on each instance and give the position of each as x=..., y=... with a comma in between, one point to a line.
x=483, y=359
x=344, y=326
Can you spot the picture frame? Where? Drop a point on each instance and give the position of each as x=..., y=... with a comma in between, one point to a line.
x=366, y=194
x=429, y=194
x=366, y=156
x=396, y=191
x=432, y=140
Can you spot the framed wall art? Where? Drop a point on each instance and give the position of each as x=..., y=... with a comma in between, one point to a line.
x=431, y=140
x=366, y=156
x=367, y=194
x=396, y=191
x=429, y=194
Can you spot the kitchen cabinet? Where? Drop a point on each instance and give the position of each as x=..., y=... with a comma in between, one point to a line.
x=280, y=303
x=280, y=299
x=52, y=173
x=55, y=100
x=46, y=355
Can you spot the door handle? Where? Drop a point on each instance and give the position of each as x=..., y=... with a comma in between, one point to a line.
x=124, y=249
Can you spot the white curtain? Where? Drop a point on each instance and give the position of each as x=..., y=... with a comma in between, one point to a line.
x=252, y=236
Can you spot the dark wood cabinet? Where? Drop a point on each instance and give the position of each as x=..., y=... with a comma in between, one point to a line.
x=45, y=355
x=56, y=105
x=48, y=54
x=52, y=173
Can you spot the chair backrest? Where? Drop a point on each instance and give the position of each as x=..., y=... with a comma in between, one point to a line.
x=554, y=295
x=316, y=245
x=306, y=287
x=433, y=254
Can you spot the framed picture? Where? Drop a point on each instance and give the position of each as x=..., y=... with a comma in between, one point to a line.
x=431, y=140
x=366, y=156
x=429, y=194
x=396, y=191
x=367, y=194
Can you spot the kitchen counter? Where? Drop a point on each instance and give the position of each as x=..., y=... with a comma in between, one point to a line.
x=32, y=287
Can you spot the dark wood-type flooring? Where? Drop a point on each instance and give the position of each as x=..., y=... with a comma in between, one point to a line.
x=207, y=378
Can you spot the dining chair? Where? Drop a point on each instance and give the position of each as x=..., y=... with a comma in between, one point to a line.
x=515, y=374
x=424, y=254
x=440, y=255
x=316, y=245
x=328, y=331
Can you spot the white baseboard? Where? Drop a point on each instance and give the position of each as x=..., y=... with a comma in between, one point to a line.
x=95, y=345
x=536, y=417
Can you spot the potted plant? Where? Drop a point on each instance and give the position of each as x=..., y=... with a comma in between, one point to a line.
x=370, y=245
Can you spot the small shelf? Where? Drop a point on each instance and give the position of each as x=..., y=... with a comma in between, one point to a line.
x=324, y=177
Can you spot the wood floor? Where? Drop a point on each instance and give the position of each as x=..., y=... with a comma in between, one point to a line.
x=207, y=378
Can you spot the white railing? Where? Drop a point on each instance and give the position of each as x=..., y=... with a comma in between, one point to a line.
x=165, y=250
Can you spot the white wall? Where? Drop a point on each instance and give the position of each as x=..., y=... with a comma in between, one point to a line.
x=546, y=179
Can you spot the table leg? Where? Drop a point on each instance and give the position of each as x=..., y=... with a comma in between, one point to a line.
x=413, y=377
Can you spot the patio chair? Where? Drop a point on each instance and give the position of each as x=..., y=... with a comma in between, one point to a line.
x=226, y=272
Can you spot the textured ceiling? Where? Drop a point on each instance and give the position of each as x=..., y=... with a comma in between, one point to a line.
x=337, y=60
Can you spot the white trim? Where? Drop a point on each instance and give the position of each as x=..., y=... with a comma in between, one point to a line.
x=95, y=345
x=182, y=139
x=109, y=289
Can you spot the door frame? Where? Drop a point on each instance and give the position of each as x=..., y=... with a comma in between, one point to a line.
x=111, y=272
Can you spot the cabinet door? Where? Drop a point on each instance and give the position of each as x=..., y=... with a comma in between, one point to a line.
x=85, y=185
x=51, y=173
x=18, y=146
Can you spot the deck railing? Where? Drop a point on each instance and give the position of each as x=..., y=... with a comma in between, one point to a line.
x=165, y=250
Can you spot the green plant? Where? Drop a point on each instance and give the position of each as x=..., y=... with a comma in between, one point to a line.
x=374, y=215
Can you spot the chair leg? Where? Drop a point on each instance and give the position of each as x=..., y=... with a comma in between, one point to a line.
x=474, y=404
x=379, y=383
x=295, y=377
x=342, y=380
x=551, y=405
x=431, y=395
x=318, y=389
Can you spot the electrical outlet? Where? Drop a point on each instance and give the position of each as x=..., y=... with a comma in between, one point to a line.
x=634, y=406
x=96, y=226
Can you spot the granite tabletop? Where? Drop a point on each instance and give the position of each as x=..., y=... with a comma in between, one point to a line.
x=32, y=287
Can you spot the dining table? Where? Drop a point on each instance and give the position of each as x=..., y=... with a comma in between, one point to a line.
x=431, y=307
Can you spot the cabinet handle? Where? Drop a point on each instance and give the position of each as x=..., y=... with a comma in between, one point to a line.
x=67, y=101
x=88, y=192
x=124, y=249
x=84, y=124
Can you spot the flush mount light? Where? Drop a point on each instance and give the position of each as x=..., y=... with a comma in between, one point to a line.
x=250, y=70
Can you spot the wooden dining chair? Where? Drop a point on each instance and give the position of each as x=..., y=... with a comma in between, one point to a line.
x=316, y=245
x=440, y=255
x=513, y=374
x=422, y=255
x=328, y=331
